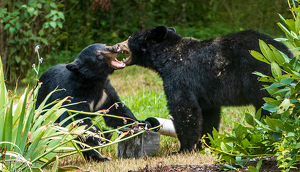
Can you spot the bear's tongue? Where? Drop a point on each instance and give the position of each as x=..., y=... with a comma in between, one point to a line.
x=117, y=64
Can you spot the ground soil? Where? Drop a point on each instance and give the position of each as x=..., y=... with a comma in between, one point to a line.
x=267, y=166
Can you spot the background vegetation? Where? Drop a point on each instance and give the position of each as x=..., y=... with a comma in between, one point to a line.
x=63, y=28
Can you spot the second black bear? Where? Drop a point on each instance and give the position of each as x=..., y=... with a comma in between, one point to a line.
x=201, y=76
x=86, y=79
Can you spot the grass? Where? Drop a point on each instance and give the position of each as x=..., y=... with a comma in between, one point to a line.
x=142, y=91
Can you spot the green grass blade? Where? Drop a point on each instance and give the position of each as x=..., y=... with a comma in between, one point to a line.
x=35, y=144
x=51, y=114
x=26, y=129
x=20, y=124
x=3, y=98
x=2, y=127
x=54, y=169
x=8, y=124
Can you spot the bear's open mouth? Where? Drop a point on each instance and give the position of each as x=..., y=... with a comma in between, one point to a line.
x=111, y=54
x=125, y=50
x=117, y=64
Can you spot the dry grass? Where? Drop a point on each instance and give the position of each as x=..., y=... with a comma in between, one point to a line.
x=122, y=165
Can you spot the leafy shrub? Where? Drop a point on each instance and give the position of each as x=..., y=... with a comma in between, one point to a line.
x=277, y=134
x=24, y=25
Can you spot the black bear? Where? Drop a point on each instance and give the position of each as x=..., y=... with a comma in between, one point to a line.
x=200, y=76
x=86, y=80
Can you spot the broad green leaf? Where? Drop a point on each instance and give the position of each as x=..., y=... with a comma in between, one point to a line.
x=230, y=160
x=256, y=138
x=61, y=15
x=53, y=24
x=291, y=24
x=229, y=166
x=11, y=30
x=266, y=127
x=251, y=168
x=259, y=56
x=276, y=70
x=287, y=81
x=249, y=119
x=44, y=41
x=31, y=2
x=258, y=165
x=41, y=32
x=39, y=5
x=277, y=55
x=268, y=54
x=271, y=101
x=245, y=143
x=267, y=79
x=297, y=146
x=53, y=5
x=224, y=147
x=284, y=106
x=59, y=24
x=279, y=124
x=6, y=26
x=30, y=10
x=276, y=136
x=282, y=92
x=258, y=114
x=275, y=85
x=270, y=123
x=270, y=108
x=18, y=59
x=273, y=91
x=296, y=73
x=239, y=132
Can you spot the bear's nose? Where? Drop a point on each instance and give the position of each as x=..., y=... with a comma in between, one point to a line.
x=118, y=49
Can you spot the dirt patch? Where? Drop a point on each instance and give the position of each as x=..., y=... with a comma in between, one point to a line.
x=267, y=166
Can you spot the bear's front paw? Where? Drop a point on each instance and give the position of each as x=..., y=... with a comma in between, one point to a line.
x=146, y=125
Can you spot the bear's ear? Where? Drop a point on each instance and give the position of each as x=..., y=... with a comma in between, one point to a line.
x=171, y=29
x=72, y=66
x=159, y=33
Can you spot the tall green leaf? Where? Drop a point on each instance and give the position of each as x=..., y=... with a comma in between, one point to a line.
x=268, y=54
x=276, y=70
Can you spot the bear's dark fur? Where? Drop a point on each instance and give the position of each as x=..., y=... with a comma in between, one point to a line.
x=86, y=79
x=200, y=76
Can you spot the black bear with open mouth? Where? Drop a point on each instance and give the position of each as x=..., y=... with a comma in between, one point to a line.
x=200, y=76
x=86, y=80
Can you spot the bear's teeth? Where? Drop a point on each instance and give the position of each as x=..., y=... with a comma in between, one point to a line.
x=126, y=60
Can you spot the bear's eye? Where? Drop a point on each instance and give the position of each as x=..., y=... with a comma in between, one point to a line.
x=100, y=56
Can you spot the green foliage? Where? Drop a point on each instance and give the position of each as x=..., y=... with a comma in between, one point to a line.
x=71, y=25
x=24, y=25
x=277, y=134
